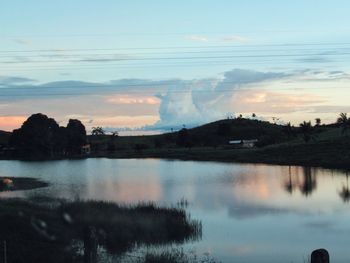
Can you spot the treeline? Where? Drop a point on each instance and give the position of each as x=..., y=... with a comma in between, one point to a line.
x=40, y=137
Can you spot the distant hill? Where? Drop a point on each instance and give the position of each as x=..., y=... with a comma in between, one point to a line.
x=213, y=134
x=220, y=132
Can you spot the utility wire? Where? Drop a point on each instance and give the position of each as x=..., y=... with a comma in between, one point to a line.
x=178, y=47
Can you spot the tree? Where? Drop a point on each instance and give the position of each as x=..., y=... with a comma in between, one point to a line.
x=38, y=137
x=253, y=115
x=288, y=130
x=318, y=121
x=306, y=130
x=344, y=122
x=97, y=131
x=76, y=135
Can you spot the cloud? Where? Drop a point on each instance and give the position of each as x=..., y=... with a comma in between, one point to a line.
x=243, y=76
x=235, y=38
x=174, y=102
x=330, y=108
x=13, y=80
x=275, y=102
x=129, y=99
x=198, y=38
x=21, y=41
x=315, y=59
x=199, y=101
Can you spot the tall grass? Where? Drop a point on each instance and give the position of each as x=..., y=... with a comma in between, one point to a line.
x=44, y=231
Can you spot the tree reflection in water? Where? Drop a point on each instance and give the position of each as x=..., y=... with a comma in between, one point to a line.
x=345, y=192
x=309, y=183
x=306, y=186
x=289, y=185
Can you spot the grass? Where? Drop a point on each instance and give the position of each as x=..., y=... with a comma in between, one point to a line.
x=176, y=256
x=43, y=230
x=329, y=148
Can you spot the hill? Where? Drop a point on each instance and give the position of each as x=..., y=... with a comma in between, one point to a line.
x=213, y=134
x=328, y=145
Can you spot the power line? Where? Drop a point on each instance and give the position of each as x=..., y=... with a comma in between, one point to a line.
x=149, y=91
x=174, y=64
x=64, y=54
x=178, y=58
x=178, y=47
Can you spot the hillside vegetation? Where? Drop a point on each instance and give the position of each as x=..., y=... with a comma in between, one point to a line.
x=319, y=145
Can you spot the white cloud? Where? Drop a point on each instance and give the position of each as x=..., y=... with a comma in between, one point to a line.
x=235, y=38
x=172, y=103
x=198, y=38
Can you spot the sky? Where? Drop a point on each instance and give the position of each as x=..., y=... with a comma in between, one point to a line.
x=158, y=65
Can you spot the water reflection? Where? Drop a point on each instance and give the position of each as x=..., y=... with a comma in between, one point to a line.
x=307, y=184
x=345, y=192
x=268, y=208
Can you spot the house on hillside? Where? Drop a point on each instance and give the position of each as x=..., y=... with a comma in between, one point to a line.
x=243, y=143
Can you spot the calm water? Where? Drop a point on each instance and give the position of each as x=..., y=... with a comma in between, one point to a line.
x=250, y=213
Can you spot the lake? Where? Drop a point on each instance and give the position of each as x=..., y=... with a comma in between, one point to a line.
x=250, y=213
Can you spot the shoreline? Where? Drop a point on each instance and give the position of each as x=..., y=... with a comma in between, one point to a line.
x=310, y=155
x=252, y=156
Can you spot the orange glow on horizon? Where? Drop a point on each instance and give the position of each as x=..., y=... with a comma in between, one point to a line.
x=9, y=123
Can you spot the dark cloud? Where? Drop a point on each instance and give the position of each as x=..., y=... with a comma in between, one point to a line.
x=242, y=76
x=13, y=80
x=315, y=59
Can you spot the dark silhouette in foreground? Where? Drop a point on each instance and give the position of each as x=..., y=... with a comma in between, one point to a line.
x=320, y=256
x=54, y=230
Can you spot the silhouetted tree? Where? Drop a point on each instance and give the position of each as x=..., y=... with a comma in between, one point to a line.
x=288, y=130
x=97, y=131
x=318, y=121
x=306, y=130
x=344, y=121
x=38, y=137
x=76, y=135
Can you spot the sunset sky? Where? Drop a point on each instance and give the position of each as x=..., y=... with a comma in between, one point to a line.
x=157, y=65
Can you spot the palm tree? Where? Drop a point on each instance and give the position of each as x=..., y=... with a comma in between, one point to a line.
x=318, y=121
x=344, y=122
x=288, y=130
x=306, y=130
